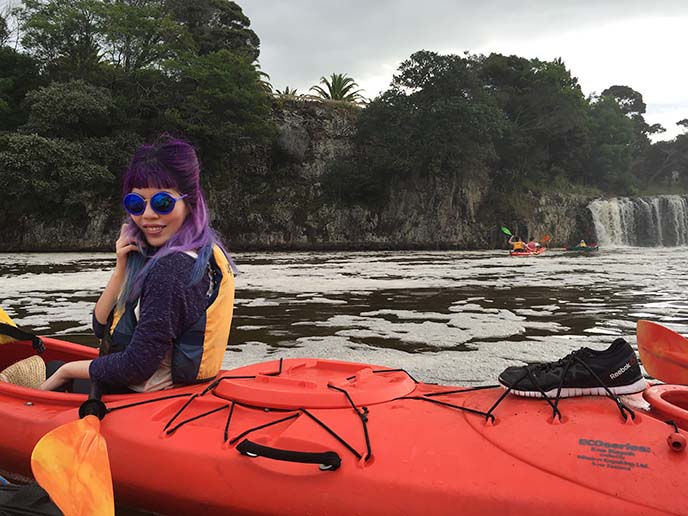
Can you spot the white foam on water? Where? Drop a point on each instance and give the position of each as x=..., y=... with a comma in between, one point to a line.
x=425, y=311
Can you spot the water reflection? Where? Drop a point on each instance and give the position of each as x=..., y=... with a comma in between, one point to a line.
x=457, y=317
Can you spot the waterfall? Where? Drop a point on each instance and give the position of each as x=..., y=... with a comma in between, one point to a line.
x=642, y=221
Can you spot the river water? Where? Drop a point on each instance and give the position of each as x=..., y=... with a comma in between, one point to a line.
x=449, y=317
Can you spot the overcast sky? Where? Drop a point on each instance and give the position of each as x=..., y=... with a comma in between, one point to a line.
x=641, y=44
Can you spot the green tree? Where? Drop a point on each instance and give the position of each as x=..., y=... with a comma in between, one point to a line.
x=437, y=120
x=50, y=178
x=630, y=101
x=71, y=110
x=440, y=118
x=139, y=34
x=18, y=75
x=217, y=25
x=611, y=154
x=339, y=87
x=633, y=106
x=65, y=36
x=546, y=118
x=4, y=30
x=218, y=101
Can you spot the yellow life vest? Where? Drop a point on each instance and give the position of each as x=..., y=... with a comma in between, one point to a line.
x=198, y=352
x=518, y=246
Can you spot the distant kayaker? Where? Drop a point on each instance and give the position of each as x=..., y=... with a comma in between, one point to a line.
x=582, y=244
x=533, y=245
x=166, y=311
x=516, y=243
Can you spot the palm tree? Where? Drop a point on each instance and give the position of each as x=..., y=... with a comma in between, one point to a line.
x=288, y=92
x=263, y=79
x=339, y=87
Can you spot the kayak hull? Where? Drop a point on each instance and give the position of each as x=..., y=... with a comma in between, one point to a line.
x=535, y=252
x=414, y=449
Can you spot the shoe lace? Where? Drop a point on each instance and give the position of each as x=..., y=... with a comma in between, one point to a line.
x=566, y=362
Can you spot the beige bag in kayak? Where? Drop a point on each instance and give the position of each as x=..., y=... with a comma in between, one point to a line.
x=29, y=372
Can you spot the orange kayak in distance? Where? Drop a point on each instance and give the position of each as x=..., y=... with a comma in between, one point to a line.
x=528, y=252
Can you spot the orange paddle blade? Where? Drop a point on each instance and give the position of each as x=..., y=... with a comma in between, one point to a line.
x=71, y=463
x=664, y=352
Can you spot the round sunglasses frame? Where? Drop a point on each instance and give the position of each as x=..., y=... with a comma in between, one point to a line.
x=170, y=202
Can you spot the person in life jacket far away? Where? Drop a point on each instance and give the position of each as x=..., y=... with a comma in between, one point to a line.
x=533, y=245
x=582, y=244
x=516, y=243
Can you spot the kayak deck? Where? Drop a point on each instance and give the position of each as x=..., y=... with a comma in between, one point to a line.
x=313, y=436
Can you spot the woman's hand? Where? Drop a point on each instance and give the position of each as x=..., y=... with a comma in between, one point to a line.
x=123, y=246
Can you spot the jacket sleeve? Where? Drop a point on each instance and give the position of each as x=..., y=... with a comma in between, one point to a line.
x=168, y=305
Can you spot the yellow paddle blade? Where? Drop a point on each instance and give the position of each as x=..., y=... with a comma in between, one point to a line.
x=4, y=318
x=71, y=463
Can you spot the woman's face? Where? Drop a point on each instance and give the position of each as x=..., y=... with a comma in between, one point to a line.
x=157, y=228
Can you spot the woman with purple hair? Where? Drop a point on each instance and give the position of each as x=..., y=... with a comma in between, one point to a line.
x=165, y=314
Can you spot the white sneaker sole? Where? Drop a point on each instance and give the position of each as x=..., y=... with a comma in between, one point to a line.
x=570, y=392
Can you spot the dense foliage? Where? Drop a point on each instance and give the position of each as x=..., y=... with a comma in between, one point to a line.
x=524, y=123
x=97, y=77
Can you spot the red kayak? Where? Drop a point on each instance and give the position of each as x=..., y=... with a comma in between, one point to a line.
x=663, y=350
x=321, y=437
x=528, y=252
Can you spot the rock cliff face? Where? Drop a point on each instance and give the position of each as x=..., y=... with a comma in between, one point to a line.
x=271, y=199
x=289, y=212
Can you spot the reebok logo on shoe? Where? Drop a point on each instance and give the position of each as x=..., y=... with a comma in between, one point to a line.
x=621, y=371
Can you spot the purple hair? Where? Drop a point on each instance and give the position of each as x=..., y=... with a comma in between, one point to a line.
x=169, y=164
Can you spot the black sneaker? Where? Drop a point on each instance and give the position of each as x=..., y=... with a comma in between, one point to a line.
x=584, y=372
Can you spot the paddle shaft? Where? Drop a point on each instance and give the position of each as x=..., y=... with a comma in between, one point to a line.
x=93, y=406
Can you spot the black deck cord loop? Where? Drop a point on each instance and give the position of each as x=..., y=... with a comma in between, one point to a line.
x=336, y=436
x=623, y=408
x=260, y=427
x=363, y=416
x=145, y=402
x=194, y=418
x=557, y=396
x=672, y=423
x=186, y=404
x=487, y=414
x=19, y=334
x=381, y=371
x=499, y=400
x=229, y=418
x=555, y=409
x=458, y=391
x=450, y=405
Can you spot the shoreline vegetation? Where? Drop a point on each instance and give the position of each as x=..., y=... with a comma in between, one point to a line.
x=458, y=144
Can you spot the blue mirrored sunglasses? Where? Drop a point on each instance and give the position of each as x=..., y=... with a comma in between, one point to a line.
x=162, y=203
